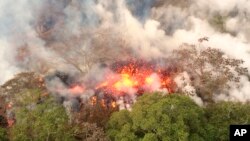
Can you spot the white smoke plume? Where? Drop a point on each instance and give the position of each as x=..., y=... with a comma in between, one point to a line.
x=76, y=35
x=184, y=84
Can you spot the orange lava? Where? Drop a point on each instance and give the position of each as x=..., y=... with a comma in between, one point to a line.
x=77, y=89
x=131, y=78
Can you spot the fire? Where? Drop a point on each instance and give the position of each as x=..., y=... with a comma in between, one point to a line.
x=103, y=103
x=10, y=122
x=113, y=104
x=134, y=77
x=93, y=100
x=77, y=89
x=10, y=115
x=125, y=82
x=104, y=84
x=121, y=84
x=149, y=80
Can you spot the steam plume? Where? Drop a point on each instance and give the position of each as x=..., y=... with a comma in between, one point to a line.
x=76, y=36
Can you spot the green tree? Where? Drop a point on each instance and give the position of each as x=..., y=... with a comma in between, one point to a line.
x=221, y=115
x=3, y=134
x=39, y=118
x=209, y=69
x=157, y=117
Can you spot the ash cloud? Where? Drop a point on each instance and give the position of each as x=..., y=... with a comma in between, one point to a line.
x=74, y=35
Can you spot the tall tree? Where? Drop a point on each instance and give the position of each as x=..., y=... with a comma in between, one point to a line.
x=221, y=115
x=210, y=69
x=158, y=117
x=39, y=118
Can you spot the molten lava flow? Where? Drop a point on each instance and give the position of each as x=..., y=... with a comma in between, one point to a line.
x=125, y=82
x=76, y=89
x=119, y=86
x=149, y=80
x=135, y=78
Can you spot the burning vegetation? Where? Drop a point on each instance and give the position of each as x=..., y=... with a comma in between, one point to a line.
x=119, y=86
x=13, y=88
x=136, y=77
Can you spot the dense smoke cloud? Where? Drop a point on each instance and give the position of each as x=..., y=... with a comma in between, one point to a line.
x=74, y=35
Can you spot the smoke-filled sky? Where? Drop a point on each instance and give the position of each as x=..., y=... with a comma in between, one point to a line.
x=61, y=34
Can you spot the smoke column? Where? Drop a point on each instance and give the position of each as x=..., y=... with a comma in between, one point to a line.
x=76, y=36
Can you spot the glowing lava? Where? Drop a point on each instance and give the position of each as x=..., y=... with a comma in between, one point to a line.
x=135, y=79
x=119, y=84
x=125, y=82
x=76, y=89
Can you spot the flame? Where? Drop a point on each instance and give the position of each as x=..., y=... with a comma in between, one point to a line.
x=113, y=104
x=10, y=122
x=125, y=82
x=77, y=89
x=104, y=84
x=103, y=103
x=149, y=80
x=131, y=78
x=93, y=100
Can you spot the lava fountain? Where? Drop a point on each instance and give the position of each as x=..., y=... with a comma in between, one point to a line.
x=124, y=82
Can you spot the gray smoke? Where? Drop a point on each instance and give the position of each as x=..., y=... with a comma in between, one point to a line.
x=77, y=35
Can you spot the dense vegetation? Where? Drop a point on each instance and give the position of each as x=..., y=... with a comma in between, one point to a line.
x=176, y=118
x=44, y=121
x=3, y=134
x=155, y=116
x=39, y=117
